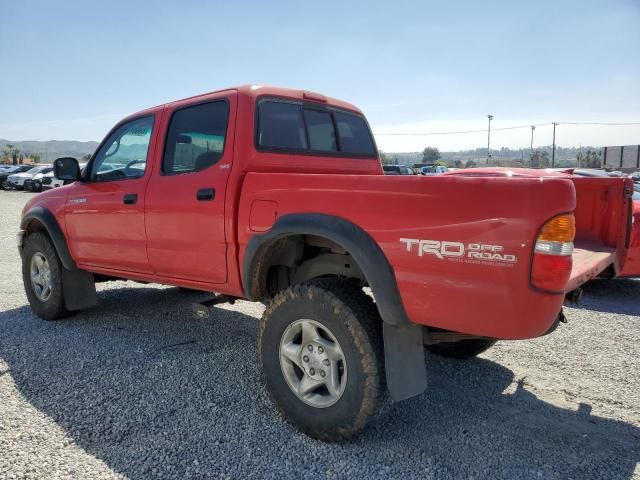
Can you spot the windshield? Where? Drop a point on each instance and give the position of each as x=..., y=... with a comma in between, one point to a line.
x=35, y=170
x=11, y=169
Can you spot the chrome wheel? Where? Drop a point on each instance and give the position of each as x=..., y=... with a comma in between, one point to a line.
x=40, y=276
x=313, y=363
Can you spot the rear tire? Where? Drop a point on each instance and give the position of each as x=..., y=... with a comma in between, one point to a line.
x=463, y=349
x=42, y=277
x=328, y=393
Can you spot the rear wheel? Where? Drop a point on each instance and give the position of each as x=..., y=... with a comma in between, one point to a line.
x=42, y=277
x=320, y=354
x=462, y=349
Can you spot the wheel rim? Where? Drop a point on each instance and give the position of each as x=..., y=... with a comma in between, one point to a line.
x=40, y=276
x=313, y=363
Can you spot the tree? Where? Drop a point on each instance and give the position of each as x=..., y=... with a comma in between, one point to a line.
x=470, y=164
x=458, y=164
x=430, y=155
x=594, y=159
x=383, y=158
x=589, y=159
x=540, y=159
x=12, y=152
x=35, y=157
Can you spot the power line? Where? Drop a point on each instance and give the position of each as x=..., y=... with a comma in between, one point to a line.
x=599, y=123
x=420, y=134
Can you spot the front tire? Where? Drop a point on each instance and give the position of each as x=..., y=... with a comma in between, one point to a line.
x=463, y=349
x=320, y=351
x=42, y=277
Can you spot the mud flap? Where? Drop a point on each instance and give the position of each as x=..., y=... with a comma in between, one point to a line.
x=404, y=361
x=79, y=289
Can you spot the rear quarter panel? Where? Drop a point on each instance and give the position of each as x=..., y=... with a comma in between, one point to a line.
x=459, y=294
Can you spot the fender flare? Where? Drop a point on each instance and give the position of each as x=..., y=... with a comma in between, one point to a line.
x=364, y=250
x=50, y=224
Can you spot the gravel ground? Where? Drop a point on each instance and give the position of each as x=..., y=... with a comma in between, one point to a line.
x=136, y=387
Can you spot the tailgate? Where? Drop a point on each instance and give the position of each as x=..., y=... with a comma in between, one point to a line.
x=603, y=226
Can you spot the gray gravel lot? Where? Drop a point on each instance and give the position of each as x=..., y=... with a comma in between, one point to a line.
x=136, y=387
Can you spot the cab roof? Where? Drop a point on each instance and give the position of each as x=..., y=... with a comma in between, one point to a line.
x=255, y=91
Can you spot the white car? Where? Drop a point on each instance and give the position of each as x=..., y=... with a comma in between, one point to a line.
x=34, y=184
x=50, y=181
x=17, y=180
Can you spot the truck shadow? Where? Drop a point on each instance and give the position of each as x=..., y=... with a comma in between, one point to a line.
x=141, y=385
x=612, y=296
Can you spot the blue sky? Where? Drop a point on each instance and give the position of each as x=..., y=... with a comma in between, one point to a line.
x=69, y=70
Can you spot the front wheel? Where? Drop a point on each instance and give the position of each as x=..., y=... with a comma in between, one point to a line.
x=42, y=277
x=463, y=349
x=320, y=353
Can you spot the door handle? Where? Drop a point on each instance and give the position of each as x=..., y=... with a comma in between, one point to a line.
x=206, y=194
x=130, y=199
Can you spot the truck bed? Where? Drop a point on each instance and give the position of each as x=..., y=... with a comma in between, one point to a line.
x=589, y=260
x=602, y=215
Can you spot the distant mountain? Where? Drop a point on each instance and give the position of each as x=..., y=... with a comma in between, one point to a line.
x=50, y=150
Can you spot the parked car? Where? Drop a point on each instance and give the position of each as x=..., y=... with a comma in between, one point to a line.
x=49, y=180
x=397, y=170
x=278, y=196
x=34, y=184
x=434, y=170
x=16, y=180
x=10, y=171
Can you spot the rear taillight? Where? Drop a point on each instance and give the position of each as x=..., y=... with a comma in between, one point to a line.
x=552, y=262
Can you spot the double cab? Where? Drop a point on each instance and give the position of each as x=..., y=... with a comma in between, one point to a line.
x=278, y=196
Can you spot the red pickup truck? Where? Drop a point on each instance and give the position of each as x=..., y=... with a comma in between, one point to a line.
x=278, y=196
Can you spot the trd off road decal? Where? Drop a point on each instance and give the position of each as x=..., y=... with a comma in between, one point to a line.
x=479, y=253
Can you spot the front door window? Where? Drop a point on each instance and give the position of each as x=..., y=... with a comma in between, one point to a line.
x=124, y=154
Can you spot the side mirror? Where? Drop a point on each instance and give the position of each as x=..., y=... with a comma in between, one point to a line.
x=67, y=169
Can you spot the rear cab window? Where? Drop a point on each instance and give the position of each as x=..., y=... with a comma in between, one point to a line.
x=297, y=127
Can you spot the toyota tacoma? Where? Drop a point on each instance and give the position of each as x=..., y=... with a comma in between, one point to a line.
x=278, y=196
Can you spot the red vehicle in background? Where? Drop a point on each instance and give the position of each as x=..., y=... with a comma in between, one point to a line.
x=278, y=196
x=631, y=267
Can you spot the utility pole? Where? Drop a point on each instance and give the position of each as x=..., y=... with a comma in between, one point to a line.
x=553, y=152
x=533, y=129
x=490, y=117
